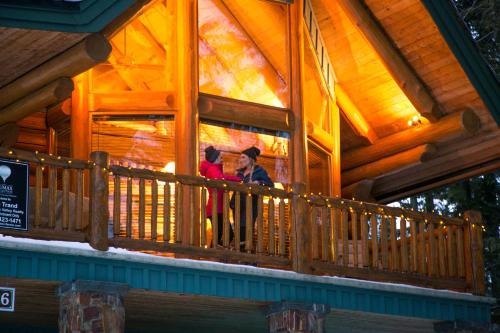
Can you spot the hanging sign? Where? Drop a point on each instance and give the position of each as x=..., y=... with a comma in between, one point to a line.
x=14, y=186
x=7, y=299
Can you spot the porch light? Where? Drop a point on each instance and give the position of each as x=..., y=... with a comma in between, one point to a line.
x=414, y=121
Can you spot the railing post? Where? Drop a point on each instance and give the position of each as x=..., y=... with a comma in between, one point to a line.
x=473, y=250
x=99, y=190
x=301, y=231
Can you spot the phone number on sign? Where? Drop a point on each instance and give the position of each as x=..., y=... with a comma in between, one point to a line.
x=10, y=220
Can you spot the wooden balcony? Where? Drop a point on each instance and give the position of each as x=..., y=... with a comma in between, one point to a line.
x=164, y=214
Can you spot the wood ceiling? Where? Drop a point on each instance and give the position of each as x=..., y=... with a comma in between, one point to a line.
x=31, y=48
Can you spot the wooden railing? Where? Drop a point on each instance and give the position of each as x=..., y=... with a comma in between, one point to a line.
x=147, y=215
x=58, y=206
x=385, y=243
x=165, y=214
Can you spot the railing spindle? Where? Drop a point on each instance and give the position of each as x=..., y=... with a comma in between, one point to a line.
x=79, y=200
x=142, y=208
x=215, y=219
x=179, y=223
x=237, y=220
x=281, y=226
x=225, y=219
x=460, y=252
x=116, y=205
x=451, y=250
x=422, y=256
x=38, y=195
x=260, y=224
x=192, y=198
x=128, y=227
x=53, y=198
x=394, y=245
x=414, y=253
x=65, y=199
x=345, y=237
x=270, y=226
x=432, y=250
x=384, y=244
x=365, y=250
x=313, y=222
x=404, y=245
x=373, y=229
x=166, y=212
x=154, y=209
x=249, y=223
x=335, y=226
x=203, y=217
x=354, y=221
x=325, y=239
x=442, y=251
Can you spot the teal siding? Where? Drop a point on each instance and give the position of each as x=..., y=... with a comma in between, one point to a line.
x=41, y=266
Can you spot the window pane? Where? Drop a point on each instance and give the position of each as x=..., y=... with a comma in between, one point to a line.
x=231, y=141
x=243, y=50
x=318, y=170
x=136, y=141
x=141, y=68
x=316, y=97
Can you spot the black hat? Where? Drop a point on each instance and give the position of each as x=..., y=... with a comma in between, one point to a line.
x=252, y=152
x=211, y=154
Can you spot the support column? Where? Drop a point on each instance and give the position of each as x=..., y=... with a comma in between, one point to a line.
x=287, y=317
x=91, y=307
x=186, y=125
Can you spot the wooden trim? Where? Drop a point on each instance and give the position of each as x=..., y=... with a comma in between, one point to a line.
x=244, y=113
x=454, y=125
x=359, y=191
x=396, y=64
x=320, y=267
x=220, y=255
x=320, y=136
x=353, y=116
x=47, y=234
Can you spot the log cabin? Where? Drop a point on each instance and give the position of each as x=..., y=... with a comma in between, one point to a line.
x=109, y=105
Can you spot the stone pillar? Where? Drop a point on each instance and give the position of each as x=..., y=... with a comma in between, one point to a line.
x=287, y=317
x=91, y=307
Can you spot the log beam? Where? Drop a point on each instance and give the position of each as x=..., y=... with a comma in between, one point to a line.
x=53, y=93
x=466, y=122
x=320, y=136
x=244, y=113
x=361, y=191
x=378, y=168
x=59, y=115
x=403, y=74
x=354, y=117
x=84, y=55
x=8, y=135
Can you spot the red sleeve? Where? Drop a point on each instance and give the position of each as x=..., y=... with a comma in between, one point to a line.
x=214, y=173
x=232, y=178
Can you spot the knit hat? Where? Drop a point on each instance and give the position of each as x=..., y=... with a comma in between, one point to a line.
x=211, y=154
x=252, y=152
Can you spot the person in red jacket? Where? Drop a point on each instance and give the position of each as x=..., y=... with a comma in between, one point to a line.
x=212, y=168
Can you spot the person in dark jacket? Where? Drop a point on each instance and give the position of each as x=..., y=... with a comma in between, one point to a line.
x=250, y=173
x=212, y=168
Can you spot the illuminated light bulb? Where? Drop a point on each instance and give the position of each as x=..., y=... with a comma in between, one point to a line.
x=410, y=123
x=415, y=119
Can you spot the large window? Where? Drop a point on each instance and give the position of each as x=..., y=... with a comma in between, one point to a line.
x=243, y=50
x=231, y=140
